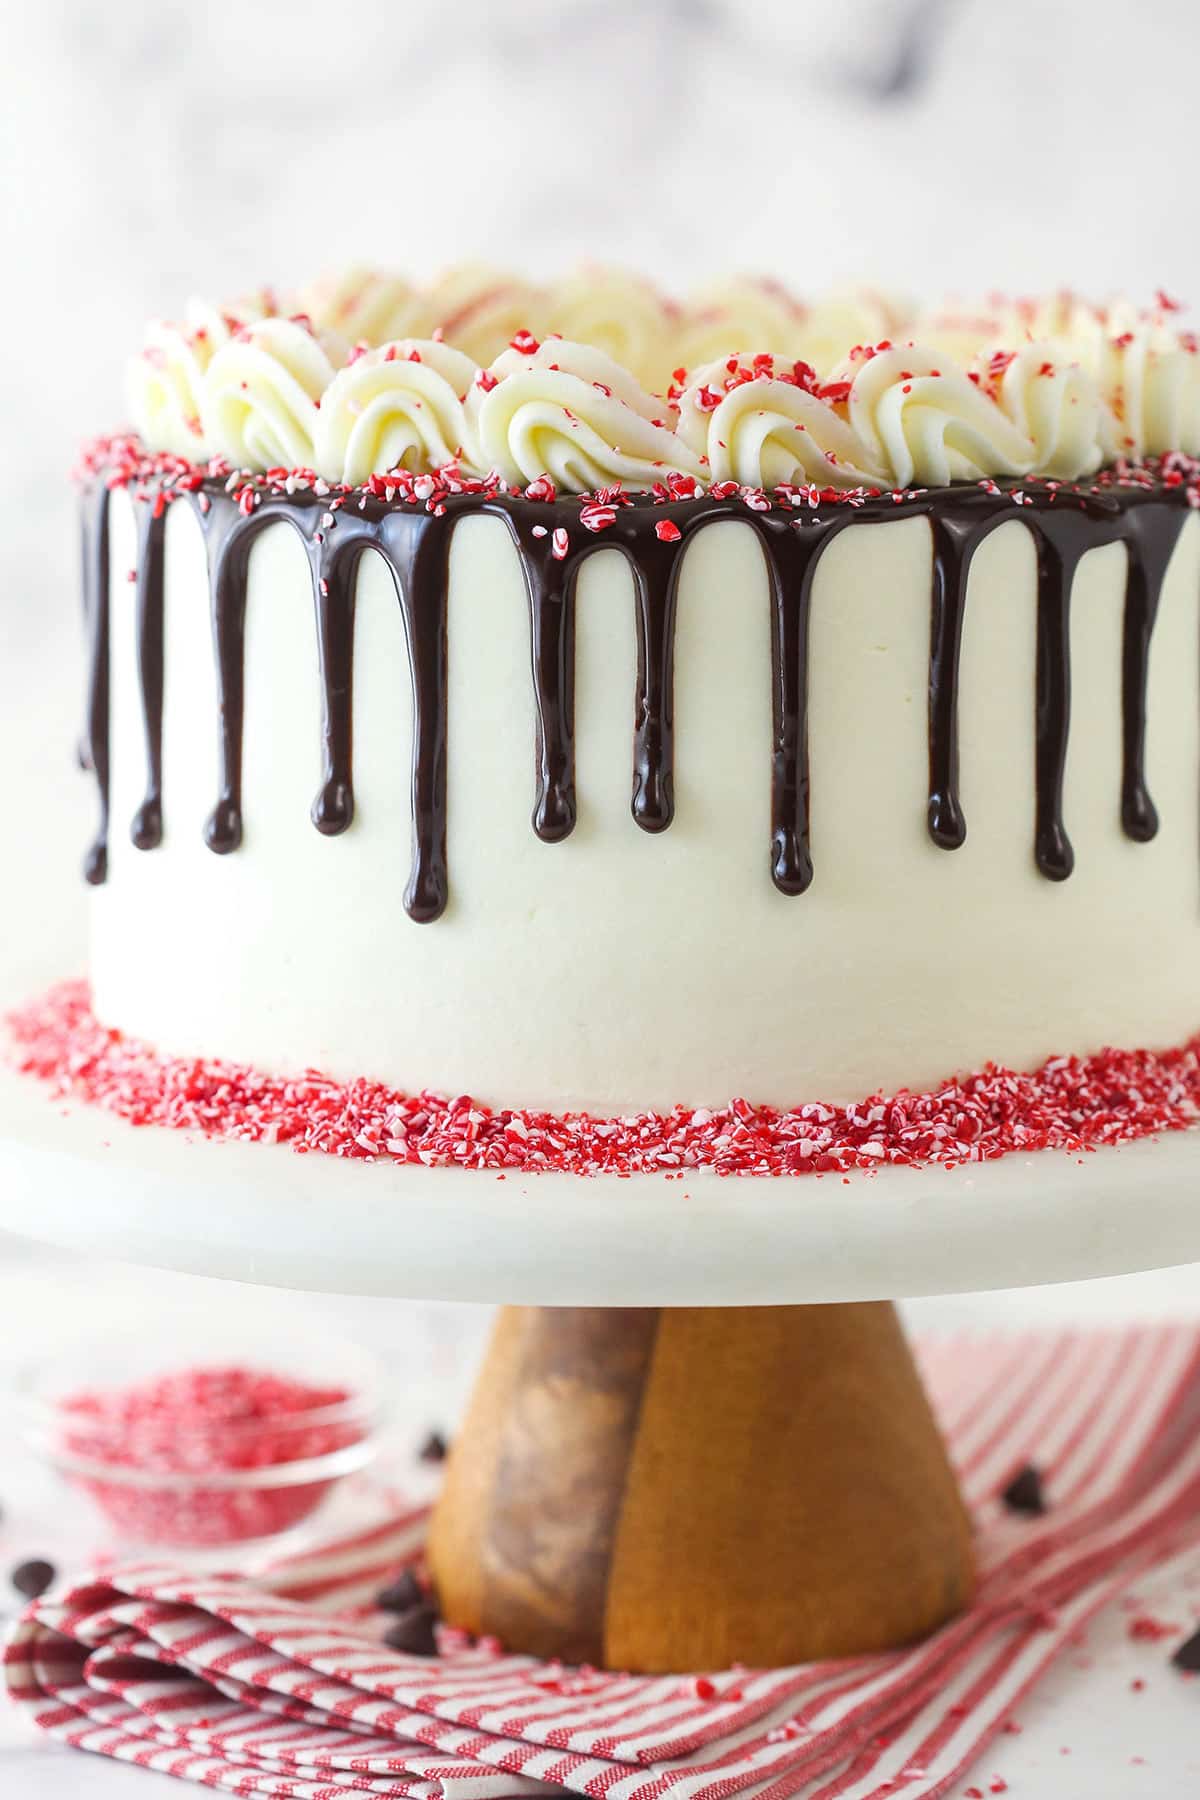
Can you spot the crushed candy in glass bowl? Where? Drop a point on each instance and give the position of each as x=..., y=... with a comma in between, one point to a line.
x=202, y=1454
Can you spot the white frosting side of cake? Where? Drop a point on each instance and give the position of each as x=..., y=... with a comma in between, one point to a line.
x=619, y=970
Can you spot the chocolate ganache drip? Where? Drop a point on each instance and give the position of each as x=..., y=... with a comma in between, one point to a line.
x=94, y=747
x=146, y=830
x=1151, y=533
x=415, y=545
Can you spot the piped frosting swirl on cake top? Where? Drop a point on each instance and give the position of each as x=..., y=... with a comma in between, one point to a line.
x=601, y=380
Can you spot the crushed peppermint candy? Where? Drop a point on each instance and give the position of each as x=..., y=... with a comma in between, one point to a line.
x=121, y=461
x=1071, y=1103
x=185, y=1458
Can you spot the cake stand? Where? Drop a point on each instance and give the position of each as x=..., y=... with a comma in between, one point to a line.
x=675, y=1457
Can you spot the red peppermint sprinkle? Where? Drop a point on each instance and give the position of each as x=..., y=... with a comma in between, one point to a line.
x=596, y=517
x=804, y=376
x=865, y=352
x=486, y=380
x=525, y=342
x=121, y=462
x=1146, y=1629
x=1071, y=1104
x=668, y=531
x=560, y=544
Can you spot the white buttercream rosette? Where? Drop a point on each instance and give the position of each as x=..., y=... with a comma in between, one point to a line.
x=479, y=309
x=400, y=406
x=756, y=421
x=621, y=315
x=166, y=382
x=925, y=422
x=365, y=305
x=567, y=411
x=262, y=392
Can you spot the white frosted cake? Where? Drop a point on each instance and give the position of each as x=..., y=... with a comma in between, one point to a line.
x=579, y=701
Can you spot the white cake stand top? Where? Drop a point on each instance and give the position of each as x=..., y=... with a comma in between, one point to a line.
x=79, y=1178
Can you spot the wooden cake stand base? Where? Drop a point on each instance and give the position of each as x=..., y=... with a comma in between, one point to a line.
x=658, y=1489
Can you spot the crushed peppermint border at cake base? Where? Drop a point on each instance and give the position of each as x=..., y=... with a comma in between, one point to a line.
x=1073, y=1104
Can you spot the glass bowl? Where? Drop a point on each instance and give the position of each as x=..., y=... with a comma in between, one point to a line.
x=193, y=1439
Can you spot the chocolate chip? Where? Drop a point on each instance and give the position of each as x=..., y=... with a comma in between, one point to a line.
x=1024, y=1493
x=1187, y=1655
x=435, y=1449
x=401, y=1595
x=32, y=1578
x=414, y=1633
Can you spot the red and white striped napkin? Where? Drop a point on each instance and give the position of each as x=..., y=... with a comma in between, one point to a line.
x=281, y=1687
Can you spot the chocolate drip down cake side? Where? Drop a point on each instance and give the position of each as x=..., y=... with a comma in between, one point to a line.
x=805, y=725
